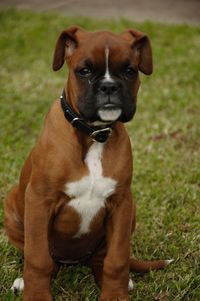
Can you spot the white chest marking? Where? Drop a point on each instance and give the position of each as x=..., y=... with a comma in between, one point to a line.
x=107, y=76
x=89, y=194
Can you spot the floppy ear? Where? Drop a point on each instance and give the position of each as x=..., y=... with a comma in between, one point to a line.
x=142, y=45
x=65, y=46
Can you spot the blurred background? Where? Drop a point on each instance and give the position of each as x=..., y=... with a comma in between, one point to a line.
x=165, y=132
x=170, y=11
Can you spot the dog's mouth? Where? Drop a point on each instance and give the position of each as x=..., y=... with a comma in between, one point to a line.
x=109, y=112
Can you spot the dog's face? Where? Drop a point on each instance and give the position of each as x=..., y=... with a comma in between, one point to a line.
x=103, y=71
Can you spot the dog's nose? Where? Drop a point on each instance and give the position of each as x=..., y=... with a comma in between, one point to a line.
x=109, y=88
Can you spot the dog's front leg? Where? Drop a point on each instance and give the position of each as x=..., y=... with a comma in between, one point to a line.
x=38, y=265
x=116, y=263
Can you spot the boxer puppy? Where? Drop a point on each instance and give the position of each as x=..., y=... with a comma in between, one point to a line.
x=73, y=203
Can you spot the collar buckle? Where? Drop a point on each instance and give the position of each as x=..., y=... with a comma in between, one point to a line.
x=101, y=135
x=80, y=124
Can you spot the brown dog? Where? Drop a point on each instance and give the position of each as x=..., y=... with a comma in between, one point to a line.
x=73, y=203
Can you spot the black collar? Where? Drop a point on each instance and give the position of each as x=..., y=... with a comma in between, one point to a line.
x=97, y=134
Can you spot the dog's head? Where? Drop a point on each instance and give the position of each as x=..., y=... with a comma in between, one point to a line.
x=103, y=71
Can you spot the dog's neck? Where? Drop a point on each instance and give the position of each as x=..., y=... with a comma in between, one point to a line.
x=99, y=133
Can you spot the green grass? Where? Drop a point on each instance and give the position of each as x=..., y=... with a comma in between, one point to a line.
x=166, y=142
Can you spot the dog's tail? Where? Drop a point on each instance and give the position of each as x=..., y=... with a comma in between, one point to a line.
x=141, y=266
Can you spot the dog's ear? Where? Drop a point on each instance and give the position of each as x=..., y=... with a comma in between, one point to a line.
x=141, y=44
x=66, y=44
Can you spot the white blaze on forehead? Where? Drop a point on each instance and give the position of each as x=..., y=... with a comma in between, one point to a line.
x=107, y=76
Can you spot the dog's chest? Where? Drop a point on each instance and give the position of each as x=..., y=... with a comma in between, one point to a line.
x=89, y=194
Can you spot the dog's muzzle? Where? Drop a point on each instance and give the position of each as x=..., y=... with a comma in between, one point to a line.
x=110, y=110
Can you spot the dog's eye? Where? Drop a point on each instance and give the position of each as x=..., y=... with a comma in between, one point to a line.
x=130, y=72
x=85, y=72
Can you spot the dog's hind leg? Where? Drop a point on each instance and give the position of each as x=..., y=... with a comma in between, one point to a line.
x=18, y=284
x=13, y=222
x=15, y=230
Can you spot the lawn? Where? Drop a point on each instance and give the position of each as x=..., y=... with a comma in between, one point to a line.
x=165, y=135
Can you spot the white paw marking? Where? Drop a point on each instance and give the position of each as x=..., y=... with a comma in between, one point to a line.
x=18, y=285
x=130, y=285
x=90, y=193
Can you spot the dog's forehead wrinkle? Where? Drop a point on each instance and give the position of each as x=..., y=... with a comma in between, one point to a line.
x=99, y=40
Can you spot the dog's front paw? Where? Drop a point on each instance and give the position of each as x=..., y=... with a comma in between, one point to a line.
x=18, y=285
x=114, y=298
x=37, y=296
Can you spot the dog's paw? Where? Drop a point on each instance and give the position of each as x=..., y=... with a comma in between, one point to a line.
x=18, y=285
x=130, y=285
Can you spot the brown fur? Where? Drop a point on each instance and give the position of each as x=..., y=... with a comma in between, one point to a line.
x=38, y=219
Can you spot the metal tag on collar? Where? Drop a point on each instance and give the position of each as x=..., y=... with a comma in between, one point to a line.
x=74, y=120
x=99, y=132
